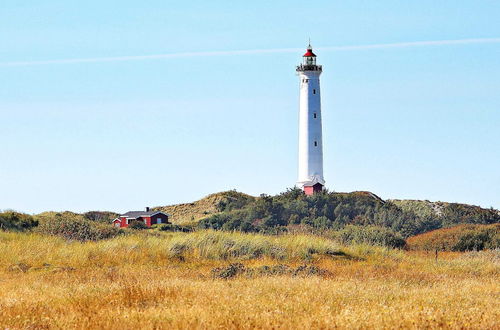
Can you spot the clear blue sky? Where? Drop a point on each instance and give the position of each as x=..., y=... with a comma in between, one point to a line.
x=405, y=122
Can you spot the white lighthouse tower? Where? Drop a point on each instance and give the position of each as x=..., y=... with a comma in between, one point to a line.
x=310, y=130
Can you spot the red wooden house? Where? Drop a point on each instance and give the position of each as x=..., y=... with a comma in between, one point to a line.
x=148, y=217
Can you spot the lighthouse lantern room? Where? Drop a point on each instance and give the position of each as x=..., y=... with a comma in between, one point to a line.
x=310, y=129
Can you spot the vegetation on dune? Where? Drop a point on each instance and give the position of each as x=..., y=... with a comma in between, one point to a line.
x=326, y=210
x=449, y=214
x=137, y=225
x=49, y=215
x=238, y=269
x=240, y=246
x=349, y=218
x=140, y=281
x=467, y=237
x=211, y=204
x=100, y=216
x=420, y=208
x=371, y=235
x=15, y=221
x=173, y=227
x=334, y=262
x=77, y=229
x=95, y=216
x=142, y=247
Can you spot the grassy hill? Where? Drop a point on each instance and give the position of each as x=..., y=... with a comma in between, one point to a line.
x=292, y=211
x=97, y=216
x=189, y=213
x=334, y=211
x=212, y=204
x=445, y=214
x=422, y=208
x=49, y=215
x=449, y=213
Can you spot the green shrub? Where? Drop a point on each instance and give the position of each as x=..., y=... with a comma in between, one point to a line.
x=471, y=242
x=137, y=224
x=476, y=241
x=15, y=221
x=83, y=230
x=371, y=235
x=172, y=227
x=100, y=216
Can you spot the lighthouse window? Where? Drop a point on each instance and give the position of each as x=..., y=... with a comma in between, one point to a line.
x=314, y=91
x=314, y=115
x=315, y=143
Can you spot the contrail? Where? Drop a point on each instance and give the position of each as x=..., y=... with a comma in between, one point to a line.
x=254, y=51
x=416, y=44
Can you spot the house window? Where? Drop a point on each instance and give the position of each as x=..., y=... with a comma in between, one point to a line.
x=314, y=91
x=315, y=143
x=314, y=115
x=158, y=220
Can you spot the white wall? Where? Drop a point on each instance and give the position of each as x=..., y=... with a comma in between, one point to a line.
x=310, y=130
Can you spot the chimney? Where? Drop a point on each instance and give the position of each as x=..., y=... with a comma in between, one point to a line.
x=147, y=208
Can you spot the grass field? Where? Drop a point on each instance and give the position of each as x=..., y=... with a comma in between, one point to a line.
x=167, y=280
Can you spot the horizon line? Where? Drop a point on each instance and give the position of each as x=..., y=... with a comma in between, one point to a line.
x=252, y=51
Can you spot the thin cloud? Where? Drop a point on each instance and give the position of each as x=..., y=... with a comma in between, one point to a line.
x=254, y=51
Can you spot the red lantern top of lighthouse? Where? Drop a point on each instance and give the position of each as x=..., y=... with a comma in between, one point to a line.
x=309, y=61
x=309, y=52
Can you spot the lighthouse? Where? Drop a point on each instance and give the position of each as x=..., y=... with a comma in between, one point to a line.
x=310, y=130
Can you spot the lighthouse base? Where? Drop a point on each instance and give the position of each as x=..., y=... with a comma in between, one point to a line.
x=310, y=190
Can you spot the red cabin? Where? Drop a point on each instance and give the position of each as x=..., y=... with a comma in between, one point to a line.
x=148, y=217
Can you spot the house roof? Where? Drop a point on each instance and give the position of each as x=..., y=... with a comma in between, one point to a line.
x=137, y=214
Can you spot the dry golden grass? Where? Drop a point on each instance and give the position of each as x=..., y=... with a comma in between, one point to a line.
x=140, y=281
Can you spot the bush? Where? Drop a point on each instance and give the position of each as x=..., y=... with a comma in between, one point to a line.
x=371, y=235
x=83, y=230
x=15, y=221
x=458, y=238
x=100, y=216
x=472, y=241
x=137, y=224
x=172, y=227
